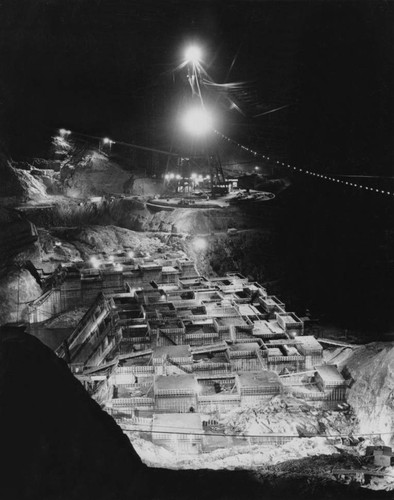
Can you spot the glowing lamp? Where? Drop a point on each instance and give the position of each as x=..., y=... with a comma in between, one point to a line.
x=193, y=54
x=197, y=121
x=95, y=262
x=200, y=244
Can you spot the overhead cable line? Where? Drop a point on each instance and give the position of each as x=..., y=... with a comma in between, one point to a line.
x=131, y=145
x=305, y=171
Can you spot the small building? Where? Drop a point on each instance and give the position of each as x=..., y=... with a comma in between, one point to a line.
x=179, y=432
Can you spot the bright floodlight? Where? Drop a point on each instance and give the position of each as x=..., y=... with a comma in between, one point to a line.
x=200, y=244
x=95, y=262
x=63, y=132
x=106, y=140
x=193, y=54
x=197, y=121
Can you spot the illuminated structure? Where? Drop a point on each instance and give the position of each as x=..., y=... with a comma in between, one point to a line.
x=175, y=342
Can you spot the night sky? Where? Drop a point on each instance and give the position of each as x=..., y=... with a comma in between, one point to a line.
x=108, y=68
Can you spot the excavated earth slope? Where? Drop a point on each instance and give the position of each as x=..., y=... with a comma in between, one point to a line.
x=372, y=393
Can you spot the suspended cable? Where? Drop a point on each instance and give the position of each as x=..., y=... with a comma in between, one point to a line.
x=271, y=111
x=312, y=173
x=131, y=145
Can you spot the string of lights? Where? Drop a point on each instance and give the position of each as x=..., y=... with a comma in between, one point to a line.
x=305, y=171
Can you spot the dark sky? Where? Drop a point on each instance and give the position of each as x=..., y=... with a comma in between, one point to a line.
x=106, y=67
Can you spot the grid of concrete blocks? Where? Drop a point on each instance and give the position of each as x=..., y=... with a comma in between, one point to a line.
x=169, y=349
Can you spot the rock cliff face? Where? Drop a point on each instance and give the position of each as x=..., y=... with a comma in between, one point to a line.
x=252, y=253
x=96, y=174
x=19, y=186
x=372, y=393
x=17, y=289
x=18, y=246
x=18, y=237
x=82, y=242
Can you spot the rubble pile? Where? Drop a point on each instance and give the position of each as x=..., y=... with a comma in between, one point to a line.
x=252, y=457
x=371, y=368
x=290, y=416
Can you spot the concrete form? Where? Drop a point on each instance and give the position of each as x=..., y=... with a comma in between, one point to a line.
x=195, y=345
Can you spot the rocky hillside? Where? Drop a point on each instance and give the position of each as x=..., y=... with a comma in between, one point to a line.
x=372, y=393
x=97, y=174
x=250, y=252
x=24, y=249
x=19, y=186
x=64, y=244
x=19, y=247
